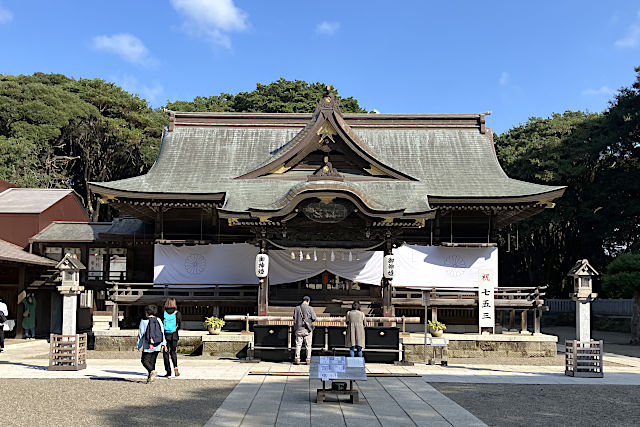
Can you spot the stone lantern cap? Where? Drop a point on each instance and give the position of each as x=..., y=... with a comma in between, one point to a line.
x=70, y=262
x=69, y=266
x=582, y=268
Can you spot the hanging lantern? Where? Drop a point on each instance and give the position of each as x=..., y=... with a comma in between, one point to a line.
x=308, y=257
x=324, y=256
x=301, y=256
x=293, y=255
x=262, y=265
x=350, y=256
x=333, y=256
x=315, y=257
x=357, y=256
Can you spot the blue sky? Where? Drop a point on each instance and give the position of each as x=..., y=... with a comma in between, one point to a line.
x=518, y=59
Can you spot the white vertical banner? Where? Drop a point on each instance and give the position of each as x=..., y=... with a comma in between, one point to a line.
x=486, y=301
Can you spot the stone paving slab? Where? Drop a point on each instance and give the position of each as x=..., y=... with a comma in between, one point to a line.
x=291, y=401
x=194, y=368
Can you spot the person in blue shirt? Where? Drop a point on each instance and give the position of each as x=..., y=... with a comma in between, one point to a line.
x=172, y=320
x=150, y=340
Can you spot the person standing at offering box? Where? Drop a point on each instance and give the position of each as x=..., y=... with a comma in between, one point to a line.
x=303, y=318
x=355, y=329
x=172, y=320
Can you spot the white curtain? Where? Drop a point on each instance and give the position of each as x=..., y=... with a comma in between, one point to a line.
x=234, y=265
x=205, y=264
x=364, y=267
x=442, y=267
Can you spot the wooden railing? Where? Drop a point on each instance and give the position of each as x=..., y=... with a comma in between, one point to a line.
x=127, y=293
x=507, y=297
x=321, y=321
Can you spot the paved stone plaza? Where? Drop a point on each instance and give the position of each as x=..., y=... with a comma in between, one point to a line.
x=223, y=392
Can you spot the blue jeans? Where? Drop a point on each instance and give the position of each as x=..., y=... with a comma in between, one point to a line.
x=353, y=349
x=30, y=333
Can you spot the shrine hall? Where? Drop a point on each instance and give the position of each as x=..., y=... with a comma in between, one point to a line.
x=326, y=196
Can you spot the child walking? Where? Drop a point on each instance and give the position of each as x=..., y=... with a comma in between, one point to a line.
x=151, y=340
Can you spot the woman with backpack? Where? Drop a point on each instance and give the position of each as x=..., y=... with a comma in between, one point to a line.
x=172, y=320
x=151, y=340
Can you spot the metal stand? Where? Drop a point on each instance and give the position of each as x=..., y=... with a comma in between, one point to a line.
x=353, y=394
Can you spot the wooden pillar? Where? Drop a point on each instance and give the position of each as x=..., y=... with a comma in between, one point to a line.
x=22, y=286
x=523, y=321
x=434, y=314
x=512, y=319
x=114, y=316
x=537, y=317
x=263, y=297
x=387, y=294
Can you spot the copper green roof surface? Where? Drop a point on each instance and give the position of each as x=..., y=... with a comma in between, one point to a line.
x=204, y=159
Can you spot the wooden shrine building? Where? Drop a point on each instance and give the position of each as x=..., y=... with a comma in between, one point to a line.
x=313, y=186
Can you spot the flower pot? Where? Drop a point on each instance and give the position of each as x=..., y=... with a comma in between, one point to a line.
x=437, y=333
x=214, y=331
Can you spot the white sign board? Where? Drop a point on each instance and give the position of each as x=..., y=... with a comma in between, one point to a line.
x=262, y=265
x=486, y=301
x=389, y=266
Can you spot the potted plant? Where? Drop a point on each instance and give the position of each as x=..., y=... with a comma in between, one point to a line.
x=213, y=324
x=436, y=328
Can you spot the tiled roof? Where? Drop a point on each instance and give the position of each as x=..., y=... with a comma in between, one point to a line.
x=14, y=253
x=30, y=200
x=449, y=159
x=67, y=231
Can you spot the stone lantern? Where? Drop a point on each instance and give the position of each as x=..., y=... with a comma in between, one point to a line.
x=70, y=288
x=582, y=273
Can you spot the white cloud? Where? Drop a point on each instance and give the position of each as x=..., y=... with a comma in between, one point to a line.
x=604, y=90
x=132, y=85
x=504, y=78
x=632, y=38
x=212, y=19
x=375, y=110
x=127, y=46
x=327, y=28
x=5, y=15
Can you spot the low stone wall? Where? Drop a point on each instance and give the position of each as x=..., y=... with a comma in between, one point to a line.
x=235, y=345
x=487, y=347
x=186, y=345
x=225, y=349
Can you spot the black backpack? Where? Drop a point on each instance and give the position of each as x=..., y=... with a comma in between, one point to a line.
x=154, y=335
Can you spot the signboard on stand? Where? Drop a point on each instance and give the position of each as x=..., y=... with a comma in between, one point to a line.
x=486, y=300
x=327, y=368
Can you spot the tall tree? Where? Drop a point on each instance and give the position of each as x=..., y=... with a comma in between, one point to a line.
x=598, y=157
x=281, y=96
x=60, y=132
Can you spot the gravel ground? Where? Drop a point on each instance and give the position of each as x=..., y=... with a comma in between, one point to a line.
x=527, y=405
x=99, y=402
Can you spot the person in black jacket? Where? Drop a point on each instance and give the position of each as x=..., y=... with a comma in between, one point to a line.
x=172, y=320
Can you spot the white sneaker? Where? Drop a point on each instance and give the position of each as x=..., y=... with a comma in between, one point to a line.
x=152, y=377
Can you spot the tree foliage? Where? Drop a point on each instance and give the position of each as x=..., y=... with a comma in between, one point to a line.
x=281, y=96
x=597, y=157
x=622, y=276
x=60, y=132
